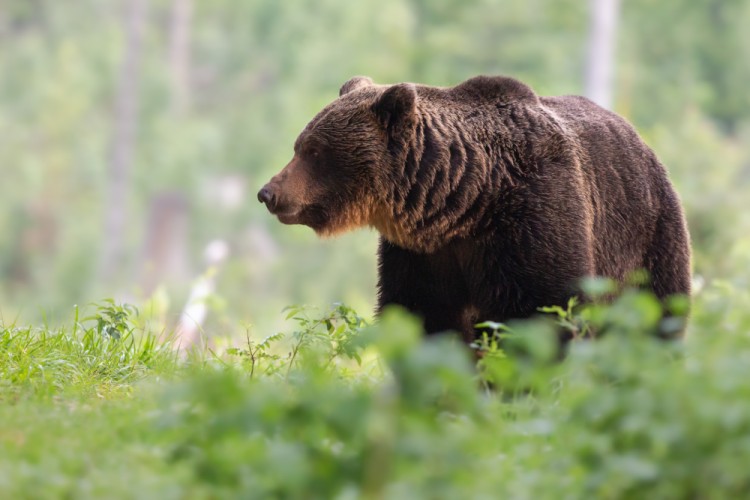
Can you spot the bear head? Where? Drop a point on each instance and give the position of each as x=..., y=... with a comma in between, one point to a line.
x=345, y=160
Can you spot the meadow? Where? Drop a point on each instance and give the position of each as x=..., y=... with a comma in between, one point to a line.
x=339, y=408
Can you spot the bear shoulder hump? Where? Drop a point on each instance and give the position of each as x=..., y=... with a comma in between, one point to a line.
x=495, y=88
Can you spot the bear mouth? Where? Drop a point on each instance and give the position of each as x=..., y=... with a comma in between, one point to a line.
x=289, y=217
x=313, y=216
x=286, y=213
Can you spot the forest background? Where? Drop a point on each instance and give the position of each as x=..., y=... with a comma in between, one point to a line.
x=135, y=134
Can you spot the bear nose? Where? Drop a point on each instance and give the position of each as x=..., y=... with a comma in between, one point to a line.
x=265, y=195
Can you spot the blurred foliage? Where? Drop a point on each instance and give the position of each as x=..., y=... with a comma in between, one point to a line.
x=260, y=70
x=622, y=416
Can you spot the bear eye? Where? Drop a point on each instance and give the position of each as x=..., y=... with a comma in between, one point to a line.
x=312, y=151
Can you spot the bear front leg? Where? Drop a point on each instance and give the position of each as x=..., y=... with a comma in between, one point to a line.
x=406, y=279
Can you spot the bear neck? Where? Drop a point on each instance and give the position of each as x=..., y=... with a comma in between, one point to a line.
x=447, y=179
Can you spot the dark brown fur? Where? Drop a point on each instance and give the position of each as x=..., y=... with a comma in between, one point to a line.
x=491, y=201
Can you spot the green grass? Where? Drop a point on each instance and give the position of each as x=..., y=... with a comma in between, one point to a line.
x=103, y=360
x=340, y=409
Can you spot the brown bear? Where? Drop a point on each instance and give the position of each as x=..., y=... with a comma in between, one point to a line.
x=491, y=201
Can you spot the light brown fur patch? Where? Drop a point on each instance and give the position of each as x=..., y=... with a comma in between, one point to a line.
x=354, y=216
x=390, y=228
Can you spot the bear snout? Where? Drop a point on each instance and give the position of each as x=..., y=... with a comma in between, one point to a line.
x=267, y=196
x=277, y=201
x=288, y=192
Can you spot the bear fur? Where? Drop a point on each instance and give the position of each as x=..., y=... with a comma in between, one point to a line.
x=490, y=200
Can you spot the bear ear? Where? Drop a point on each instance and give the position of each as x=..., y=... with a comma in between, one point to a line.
x=355, y=83
x=396, y=106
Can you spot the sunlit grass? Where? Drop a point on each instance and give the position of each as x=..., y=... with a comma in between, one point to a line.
x=97, y=359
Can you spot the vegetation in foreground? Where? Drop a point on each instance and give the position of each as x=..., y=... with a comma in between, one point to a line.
x=341, y=409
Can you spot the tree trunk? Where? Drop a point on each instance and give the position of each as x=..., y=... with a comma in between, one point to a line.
x=123, y=143
x=164, y=258
x=179, y=53
x=601, y=50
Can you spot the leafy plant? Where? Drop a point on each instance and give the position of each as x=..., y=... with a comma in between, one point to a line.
x=259, y=355
x=335, y=331
x=569, y=320
x=325, y=337
x=113, y=320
